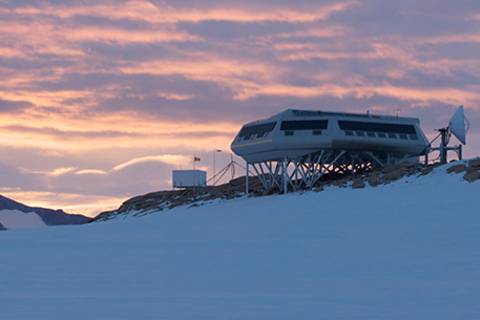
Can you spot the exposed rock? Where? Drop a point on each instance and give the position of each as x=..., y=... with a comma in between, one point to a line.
x=404, y=166
x=426, y=170
x=457, y=168
x=358, y=184
x=340, y=182
x=472, y=176
x=395, y=172
x=2, y=228
x=393, y=175
x=159, y=201
x=474, y=163
x=374, y=180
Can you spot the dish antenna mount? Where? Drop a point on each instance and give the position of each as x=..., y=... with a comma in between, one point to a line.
x=457, y=126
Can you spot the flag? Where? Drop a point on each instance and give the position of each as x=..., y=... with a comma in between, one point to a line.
x=196, y=159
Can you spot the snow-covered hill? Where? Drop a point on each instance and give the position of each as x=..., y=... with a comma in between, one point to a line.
x=405, y=250
x=14, y=215
x=156, y=202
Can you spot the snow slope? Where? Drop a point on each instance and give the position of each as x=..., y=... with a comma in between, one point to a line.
x=407, y=250
x=15, y=219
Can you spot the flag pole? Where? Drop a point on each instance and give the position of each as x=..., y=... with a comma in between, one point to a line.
x=214, y=165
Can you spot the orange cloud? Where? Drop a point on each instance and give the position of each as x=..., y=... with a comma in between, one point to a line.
x=62, y=171
x=10, y=53
x=174, y=96
x=45, y=98
x=449, y=95
x=128, y=36
x=74, y=132
x=231, y=73
x=377, y=51
x=147, y=11
x=172, y=159
x=90, y=171
x=45, y=47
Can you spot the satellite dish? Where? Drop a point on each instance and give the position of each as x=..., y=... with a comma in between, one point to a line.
x=458, y=125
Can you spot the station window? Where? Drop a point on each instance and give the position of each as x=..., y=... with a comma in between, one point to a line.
x=381, y=135
x=403, y=136
x=376, y=127
x=259, y=130
x=392, y=135
x=289, y=132
x=317, y=132
x=371, y=134
x=360, y=133
x=349, y=133
x=413, y=137
x=304, y=125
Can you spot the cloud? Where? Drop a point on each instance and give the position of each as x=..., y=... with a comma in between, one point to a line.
x=8, y=106
x=62, y=171
x=171, y=159
x=157, y=13
x=89, y=190
x=125, y=36
x=90, y=171
x=454, y=96
x=203, y=67
x=105, y=98
x=17, y=178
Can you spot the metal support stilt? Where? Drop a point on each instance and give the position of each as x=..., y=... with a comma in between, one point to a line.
x=307, y=170
x=443, y=145
x=247, y=173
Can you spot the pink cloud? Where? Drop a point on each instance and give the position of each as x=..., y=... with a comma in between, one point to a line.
x=93, y=87
x=450, y=95
x=147, y=11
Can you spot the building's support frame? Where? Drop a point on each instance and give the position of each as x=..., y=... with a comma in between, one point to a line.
x=287, y=174
x=443, y=148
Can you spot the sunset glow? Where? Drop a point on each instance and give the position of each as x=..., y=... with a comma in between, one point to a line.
x=99, y=100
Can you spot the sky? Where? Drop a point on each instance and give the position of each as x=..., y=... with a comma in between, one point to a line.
x=100, y=100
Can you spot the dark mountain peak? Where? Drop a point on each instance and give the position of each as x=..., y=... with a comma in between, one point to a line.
x=49, y=216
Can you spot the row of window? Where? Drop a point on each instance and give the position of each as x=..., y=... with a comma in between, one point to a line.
x=376, y=127
x=385, y=135
x=351, y=128
x=369, y=134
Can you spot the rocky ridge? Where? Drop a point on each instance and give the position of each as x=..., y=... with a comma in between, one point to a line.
x=164, y=200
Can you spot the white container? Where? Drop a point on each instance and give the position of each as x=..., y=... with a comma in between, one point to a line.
x=189, y=178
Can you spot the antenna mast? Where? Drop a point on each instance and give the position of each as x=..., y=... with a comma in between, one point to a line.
x=445, y=139
x=457, y=126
